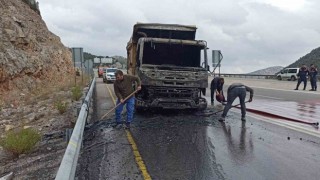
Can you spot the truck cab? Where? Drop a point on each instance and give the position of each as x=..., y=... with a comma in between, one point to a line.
x=167, y=58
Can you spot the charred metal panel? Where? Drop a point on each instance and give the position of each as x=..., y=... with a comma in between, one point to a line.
x=170, y=97
x=167, y=103
x=166, y=31
x=173, y=76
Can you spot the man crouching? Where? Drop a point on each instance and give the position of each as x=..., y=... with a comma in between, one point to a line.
x=237, y=90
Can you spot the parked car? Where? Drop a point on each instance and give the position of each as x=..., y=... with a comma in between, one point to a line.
x=109, y=75
x=289, y=74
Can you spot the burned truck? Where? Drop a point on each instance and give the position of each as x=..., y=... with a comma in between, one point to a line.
x=167, y=58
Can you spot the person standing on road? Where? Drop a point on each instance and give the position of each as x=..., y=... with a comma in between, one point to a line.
x=123, y=87
x=302, y=76
x=313, y=71
x=237, y=90
x=216, y=86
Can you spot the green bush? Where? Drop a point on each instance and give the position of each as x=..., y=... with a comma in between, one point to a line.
x=20, y=141
x=76, y=93
x=61, y=106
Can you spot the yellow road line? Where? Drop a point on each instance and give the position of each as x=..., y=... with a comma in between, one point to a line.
x=134, y=147
x=72, y=143
x=138, y=157
x=113, y=100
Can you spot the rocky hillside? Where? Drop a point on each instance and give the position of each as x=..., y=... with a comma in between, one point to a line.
x=268, y=71
x=34, y=66
x=311, y=58
x=30, y=55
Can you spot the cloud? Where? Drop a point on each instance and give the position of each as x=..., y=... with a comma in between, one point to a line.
x=251, y=34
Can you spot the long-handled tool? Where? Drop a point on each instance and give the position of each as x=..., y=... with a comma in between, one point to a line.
x=118, y=104
x=214, y=113
x=315, y=124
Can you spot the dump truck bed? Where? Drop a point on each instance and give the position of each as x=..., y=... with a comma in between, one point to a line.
x=166, y=31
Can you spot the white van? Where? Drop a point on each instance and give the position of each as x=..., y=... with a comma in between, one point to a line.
x=288, y=74
x=109, y=75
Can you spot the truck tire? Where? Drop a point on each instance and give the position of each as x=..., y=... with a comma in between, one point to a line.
x=293, y=78
x=279, y=78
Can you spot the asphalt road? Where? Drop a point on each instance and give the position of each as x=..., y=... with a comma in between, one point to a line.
x=189, y=145
x=276, y=90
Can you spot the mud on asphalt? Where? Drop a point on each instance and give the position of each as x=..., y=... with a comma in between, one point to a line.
x=168, y=126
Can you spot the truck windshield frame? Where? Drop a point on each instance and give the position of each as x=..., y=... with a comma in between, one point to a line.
x=171, y=52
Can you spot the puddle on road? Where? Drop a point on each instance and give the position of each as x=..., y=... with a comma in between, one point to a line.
x=308, y=111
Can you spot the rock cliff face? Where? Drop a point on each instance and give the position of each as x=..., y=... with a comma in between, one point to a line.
x=29, y=53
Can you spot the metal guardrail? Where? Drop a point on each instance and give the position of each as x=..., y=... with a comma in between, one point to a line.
x=69, y=162
x=252, y=76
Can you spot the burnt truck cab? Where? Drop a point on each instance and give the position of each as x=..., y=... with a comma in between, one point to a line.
x=168, y=61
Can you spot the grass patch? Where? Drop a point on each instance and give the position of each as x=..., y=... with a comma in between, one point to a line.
x=20, y=141
x=61, y=106
x=76, y=93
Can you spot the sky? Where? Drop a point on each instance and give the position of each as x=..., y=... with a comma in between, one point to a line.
x=251, y=34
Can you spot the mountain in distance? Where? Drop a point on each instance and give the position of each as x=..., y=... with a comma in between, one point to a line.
x=311, y=58
x=268, y=71
x=87, y=56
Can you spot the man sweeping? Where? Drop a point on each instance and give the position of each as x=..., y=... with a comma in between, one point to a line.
x=237, y=90
x=123, y=88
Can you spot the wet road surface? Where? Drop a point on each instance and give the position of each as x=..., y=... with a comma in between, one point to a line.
x=194, y=147
x=188, y=145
